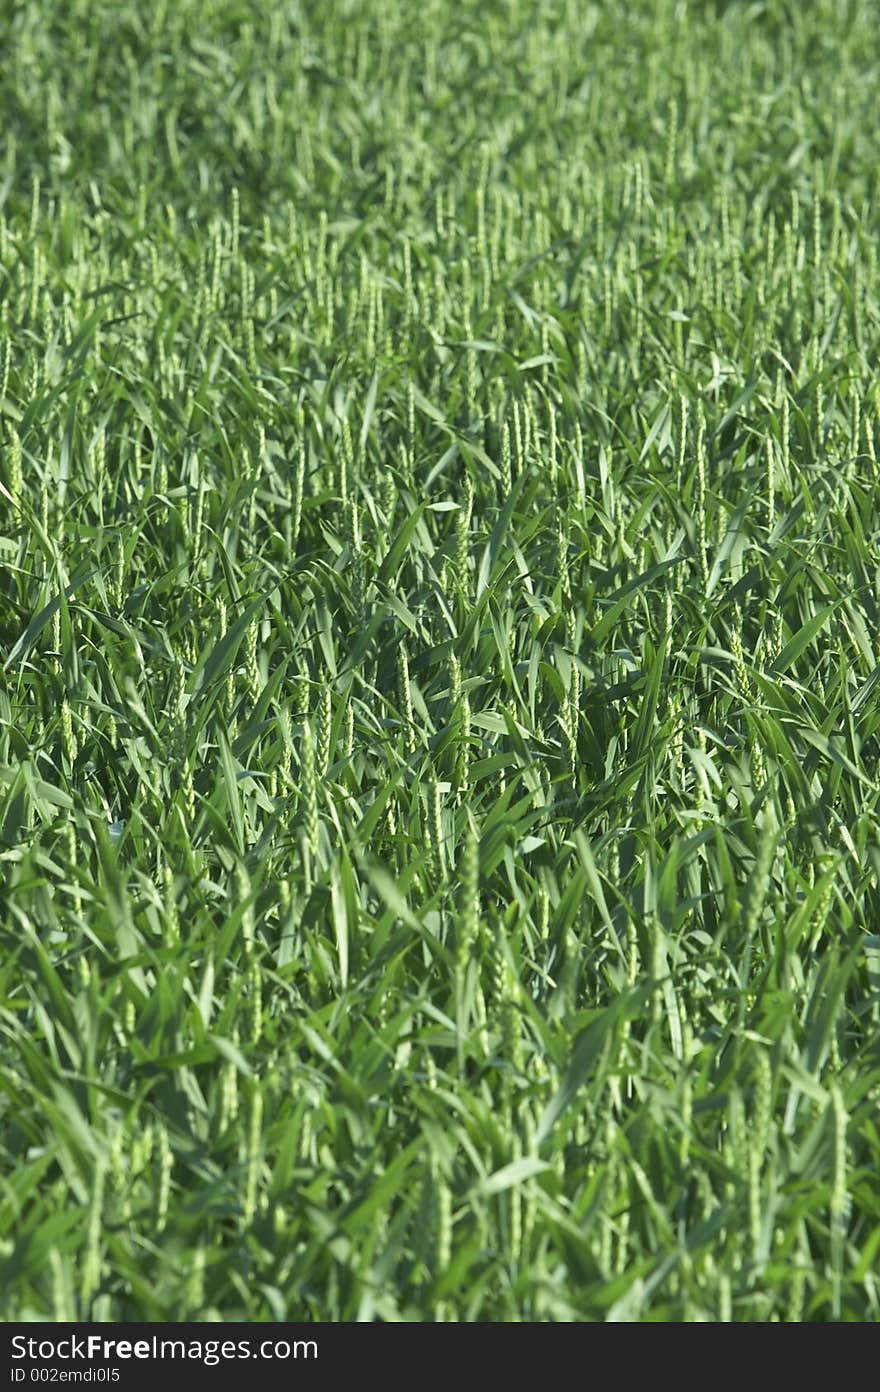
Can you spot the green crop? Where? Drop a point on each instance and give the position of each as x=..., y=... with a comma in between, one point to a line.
x=439, y=733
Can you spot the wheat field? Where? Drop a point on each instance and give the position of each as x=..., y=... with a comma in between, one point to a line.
x=439, y=827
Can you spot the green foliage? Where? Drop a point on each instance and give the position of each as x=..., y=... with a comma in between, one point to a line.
x=439, y=828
